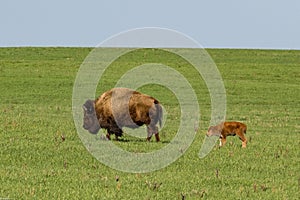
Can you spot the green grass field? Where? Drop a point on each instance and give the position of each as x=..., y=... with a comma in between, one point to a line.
x=42, y=156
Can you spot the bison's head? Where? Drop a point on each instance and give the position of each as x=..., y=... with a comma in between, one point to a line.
x=214, y=131
x=90, y=121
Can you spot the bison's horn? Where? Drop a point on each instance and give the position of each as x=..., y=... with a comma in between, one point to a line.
x=84, y=108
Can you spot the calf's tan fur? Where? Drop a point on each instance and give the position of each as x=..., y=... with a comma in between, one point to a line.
x=229, y=129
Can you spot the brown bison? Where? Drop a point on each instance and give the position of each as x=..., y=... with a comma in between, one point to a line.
x=122, y=107
x=229, y=129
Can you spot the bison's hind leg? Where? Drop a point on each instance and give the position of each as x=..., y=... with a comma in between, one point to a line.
x=152, y=130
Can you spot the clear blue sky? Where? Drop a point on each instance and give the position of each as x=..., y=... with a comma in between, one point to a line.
x=213, y=23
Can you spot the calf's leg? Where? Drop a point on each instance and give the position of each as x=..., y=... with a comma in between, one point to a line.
x=222, y=140
x=242, y=138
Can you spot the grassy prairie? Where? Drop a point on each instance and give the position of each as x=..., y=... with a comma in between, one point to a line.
x=42, y=157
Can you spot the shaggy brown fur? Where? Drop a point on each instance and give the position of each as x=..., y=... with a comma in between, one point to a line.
x=122, y=107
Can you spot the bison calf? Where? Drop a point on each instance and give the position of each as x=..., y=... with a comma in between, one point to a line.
x=122, y=107
x=229, y=129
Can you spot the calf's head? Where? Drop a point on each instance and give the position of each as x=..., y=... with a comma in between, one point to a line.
x=214, y=131
x=90, y=121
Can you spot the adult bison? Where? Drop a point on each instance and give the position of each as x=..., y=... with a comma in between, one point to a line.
x=122, y=107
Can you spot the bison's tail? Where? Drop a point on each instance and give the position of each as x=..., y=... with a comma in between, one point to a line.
x=159, y=112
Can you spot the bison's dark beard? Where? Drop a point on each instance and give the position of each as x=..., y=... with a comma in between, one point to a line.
x=94, y=129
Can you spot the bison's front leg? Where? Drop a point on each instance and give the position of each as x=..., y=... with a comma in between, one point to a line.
x=114, y=130
x=152, y=130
